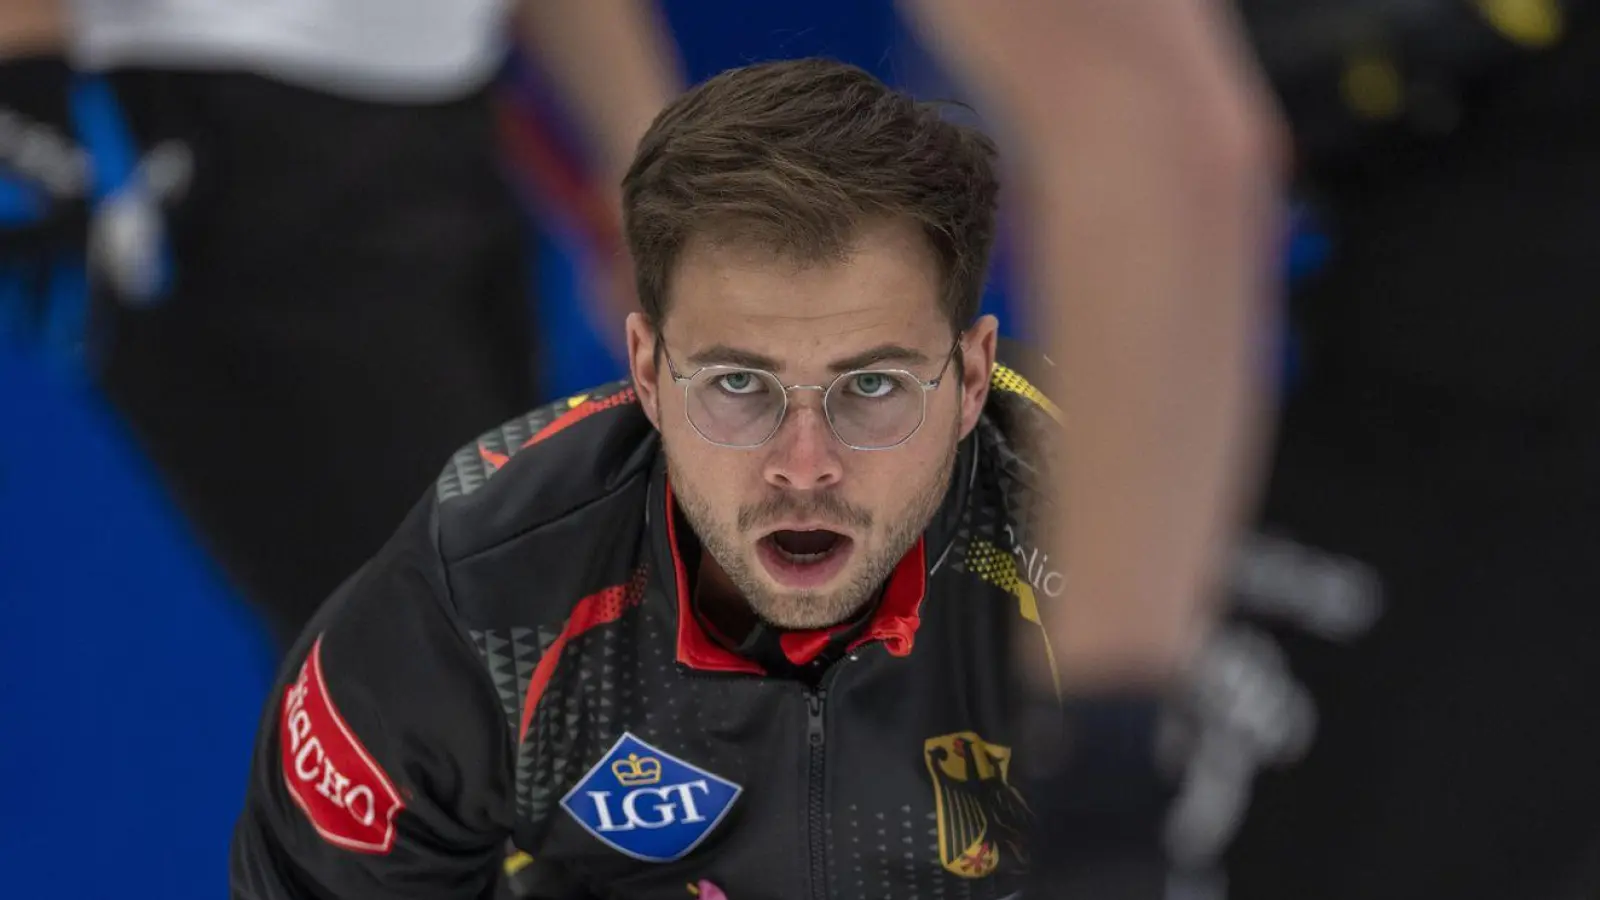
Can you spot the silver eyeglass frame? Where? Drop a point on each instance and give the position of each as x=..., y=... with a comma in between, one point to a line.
x=928, y=387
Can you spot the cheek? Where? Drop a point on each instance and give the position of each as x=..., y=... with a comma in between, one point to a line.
x=888, y=481
x=722, y=478
x=916, y=465
x=942, y=428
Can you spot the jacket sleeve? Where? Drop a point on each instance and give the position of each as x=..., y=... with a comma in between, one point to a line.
x=383, y=764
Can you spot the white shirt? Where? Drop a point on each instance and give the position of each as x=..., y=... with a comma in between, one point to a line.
x=372, y=49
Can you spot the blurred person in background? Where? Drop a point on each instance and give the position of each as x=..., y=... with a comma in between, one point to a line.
x=1148, y=167
x=44, y=181
x=1433, y=478
x=342, y=299
x=107, y=611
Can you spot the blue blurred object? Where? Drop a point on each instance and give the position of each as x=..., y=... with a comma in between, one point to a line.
x=714, y=35
x=44, y=309
x=20, y=202
x=1309, y=245
x=131, y=680
x=572, y=356
x=1307, y=250
x=127, y=232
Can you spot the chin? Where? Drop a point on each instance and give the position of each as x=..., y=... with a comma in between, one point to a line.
x=806, y=611
x=789, y=623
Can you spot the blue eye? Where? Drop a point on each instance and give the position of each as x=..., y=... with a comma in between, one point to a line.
x=872, y=385
x=739, y=383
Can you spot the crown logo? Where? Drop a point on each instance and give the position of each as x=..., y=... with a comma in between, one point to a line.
x=636, y=771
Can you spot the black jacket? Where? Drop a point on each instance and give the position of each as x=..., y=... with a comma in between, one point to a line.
x=519, y=667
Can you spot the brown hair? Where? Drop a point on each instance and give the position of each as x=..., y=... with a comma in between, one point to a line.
x=796, y=155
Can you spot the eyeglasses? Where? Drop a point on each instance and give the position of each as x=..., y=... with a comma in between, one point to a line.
x=867, y=409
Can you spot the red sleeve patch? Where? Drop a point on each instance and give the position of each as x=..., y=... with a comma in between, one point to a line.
x=347, y=797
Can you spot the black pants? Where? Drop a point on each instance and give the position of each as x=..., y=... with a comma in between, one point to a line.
x=350, y=306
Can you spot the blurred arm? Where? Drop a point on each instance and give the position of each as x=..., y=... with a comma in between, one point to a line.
x=614, y=63
x=1149, y=165
x=31, y=28
x=615, y=66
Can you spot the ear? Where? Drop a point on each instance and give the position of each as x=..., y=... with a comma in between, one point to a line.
x=643, y=366
x=977, y=362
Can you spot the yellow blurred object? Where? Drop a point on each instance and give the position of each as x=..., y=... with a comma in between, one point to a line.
x=516, y=862
x=999, y=568
x=1004, y=378
x=1371, y=86
x=1530, y=23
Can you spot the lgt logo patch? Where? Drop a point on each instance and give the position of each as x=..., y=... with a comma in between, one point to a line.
x=647, y=803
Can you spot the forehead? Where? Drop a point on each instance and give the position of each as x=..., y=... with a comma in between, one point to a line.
x=885, y=290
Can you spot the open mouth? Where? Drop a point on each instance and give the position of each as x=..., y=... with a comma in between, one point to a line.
x=806, y=546
x=804, y=558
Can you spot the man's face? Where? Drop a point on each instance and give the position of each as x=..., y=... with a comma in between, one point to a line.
x=803, y=526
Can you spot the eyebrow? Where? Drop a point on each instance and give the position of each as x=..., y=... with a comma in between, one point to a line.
x=725, y=355
x=880, y=354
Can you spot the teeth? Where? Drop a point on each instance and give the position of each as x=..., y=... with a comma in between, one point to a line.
x=803, y=557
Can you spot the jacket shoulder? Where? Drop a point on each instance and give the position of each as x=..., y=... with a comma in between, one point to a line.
x=542, y=467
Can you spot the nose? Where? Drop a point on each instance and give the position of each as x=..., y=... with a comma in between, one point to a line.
x=804, y=455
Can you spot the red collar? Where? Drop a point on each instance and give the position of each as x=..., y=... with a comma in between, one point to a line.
x=894, y=622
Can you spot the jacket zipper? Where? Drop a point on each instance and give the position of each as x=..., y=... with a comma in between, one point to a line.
x=816, y=811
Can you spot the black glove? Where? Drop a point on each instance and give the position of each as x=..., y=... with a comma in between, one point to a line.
x=81, y=206
x=1135, y=795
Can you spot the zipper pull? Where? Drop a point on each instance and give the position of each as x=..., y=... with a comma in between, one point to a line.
x=814, y=717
